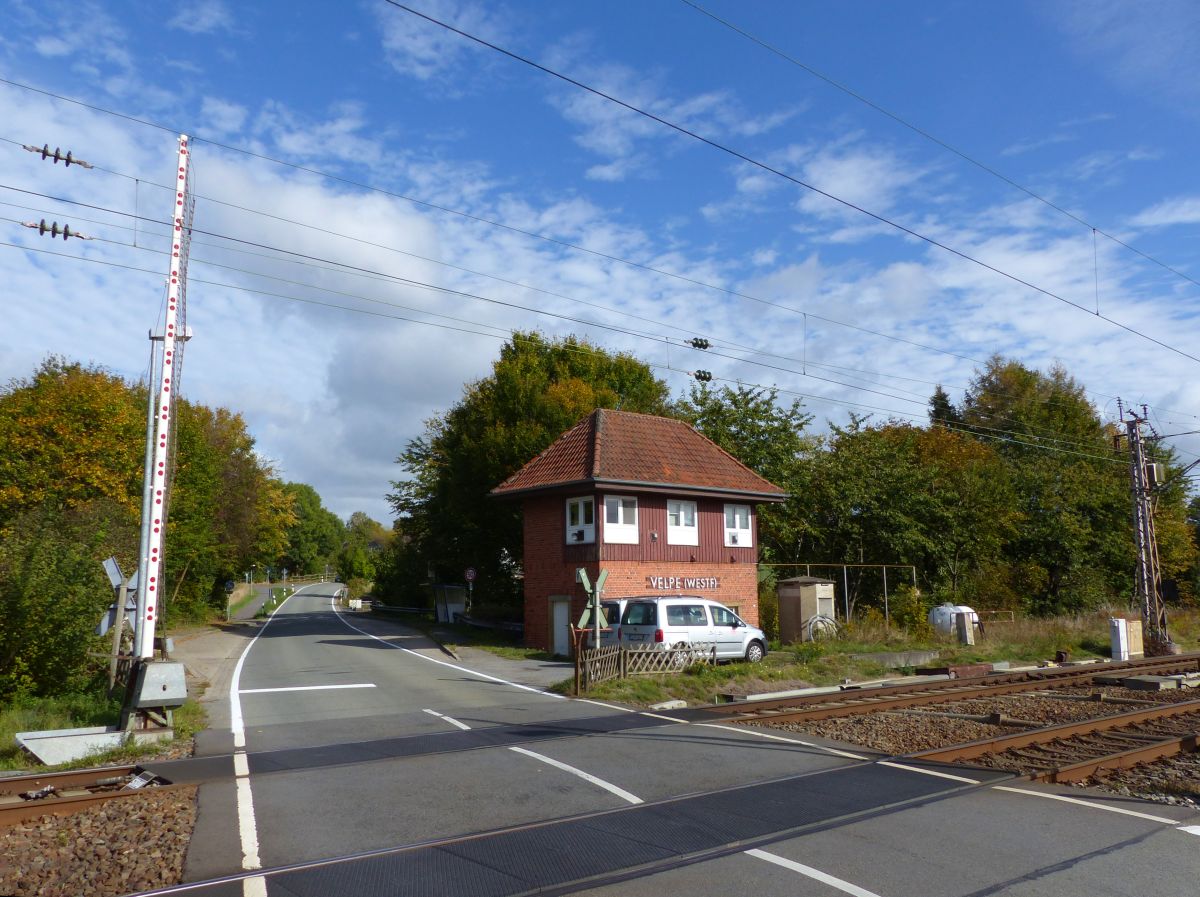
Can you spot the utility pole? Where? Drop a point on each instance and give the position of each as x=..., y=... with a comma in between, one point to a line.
x=1143, y=478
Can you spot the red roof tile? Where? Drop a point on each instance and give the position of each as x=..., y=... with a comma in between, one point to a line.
x=638, y=450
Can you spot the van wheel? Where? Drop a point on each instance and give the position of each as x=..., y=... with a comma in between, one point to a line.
x=755, y=653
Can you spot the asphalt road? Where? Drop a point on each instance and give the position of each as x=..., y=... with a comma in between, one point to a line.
x=359, y=739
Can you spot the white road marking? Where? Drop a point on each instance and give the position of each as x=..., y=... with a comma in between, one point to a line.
x=607, y=786
x=266, y=691
x=247, y=828
x=1190, y=829
x=669, y=719
x=812, y=873
x=1087, y=803
x=609, y=706
x=448, y=719
x=929, y=772
x=536, y=691
x=750, y=730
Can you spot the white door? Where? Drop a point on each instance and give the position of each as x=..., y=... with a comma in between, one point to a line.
x=560, y=626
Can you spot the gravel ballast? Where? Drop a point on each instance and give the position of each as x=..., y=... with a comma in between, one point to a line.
x=119, y=847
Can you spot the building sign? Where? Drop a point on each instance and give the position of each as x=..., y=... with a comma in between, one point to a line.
x=683, y=583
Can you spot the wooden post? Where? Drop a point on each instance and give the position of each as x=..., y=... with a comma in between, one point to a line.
x=118, y=628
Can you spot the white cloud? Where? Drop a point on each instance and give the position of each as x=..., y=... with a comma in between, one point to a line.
x=1180, y=210
x=1149, y=47
x=203, y=17
x=221, y=117
x=423, y=50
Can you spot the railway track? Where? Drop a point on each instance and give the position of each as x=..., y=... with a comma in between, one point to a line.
x=1075, y=752
x=1045, y=750
x=852, y=702
x=23, y=798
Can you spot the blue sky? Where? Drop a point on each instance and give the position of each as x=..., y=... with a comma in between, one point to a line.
x=1090, y=105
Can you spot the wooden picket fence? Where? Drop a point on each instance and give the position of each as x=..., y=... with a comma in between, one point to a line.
x=596, y=665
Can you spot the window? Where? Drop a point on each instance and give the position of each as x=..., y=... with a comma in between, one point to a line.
x=737, y=527
x=581, y=520
x=620, y=520
x=723, y=616
x=681, y=523
x=686, y=615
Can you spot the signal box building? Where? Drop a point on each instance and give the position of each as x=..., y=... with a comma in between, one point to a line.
x=662, y=508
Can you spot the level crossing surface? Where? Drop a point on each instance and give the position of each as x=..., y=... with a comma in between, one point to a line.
x=375, y=764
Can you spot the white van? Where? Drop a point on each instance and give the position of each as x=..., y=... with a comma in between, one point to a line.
x=612, y=609
x=669, y=622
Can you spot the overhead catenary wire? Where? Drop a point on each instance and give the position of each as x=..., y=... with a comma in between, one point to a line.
x=920, y=400
x=305, y=258
x=777, y=172
x=1011, y=437
x=756, y=350
x=983, y=166
x=576, y=247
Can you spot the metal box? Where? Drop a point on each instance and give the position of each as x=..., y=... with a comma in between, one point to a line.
x=800, y=599
x=160, y=684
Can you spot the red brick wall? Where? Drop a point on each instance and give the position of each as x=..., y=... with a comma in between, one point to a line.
x=550, y=566
x=738, y=583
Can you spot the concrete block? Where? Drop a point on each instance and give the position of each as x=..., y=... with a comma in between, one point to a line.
x=669, y=705
x=1151, y=683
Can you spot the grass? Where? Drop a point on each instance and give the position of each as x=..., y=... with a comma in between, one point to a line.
x=29, y=714
x=277, y=597
x=831, y=662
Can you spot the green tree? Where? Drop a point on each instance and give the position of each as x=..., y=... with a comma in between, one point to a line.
x=538, y=389
x=750, y=424
x=53, y=591
x=316, y=536
x=1075, y=544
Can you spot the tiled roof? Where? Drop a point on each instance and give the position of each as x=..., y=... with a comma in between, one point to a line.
x=640, y=450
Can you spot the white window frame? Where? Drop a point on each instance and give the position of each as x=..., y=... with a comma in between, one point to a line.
x=737, y=536
x=588, y=529
x=682, y=533
x=625, y=530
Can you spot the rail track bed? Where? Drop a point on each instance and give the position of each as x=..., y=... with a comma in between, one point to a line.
x=27, y=797
x=1065, y=725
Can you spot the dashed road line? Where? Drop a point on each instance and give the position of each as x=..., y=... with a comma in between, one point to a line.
x=451, y=720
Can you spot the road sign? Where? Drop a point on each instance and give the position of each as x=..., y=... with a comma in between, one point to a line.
x=469, y=574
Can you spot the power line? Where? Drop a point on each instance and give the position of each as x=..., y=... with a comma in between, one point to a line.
x=750, y=160
x=307, y=259
x=574, y=299
x=1007, y=435
x=934, y=139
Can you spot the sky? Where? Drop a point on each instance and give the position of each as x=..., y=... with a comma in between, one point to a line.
x=858, y=201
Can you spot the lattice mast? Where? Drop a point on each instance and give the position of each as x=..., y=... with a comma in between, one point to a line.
x=158, y=468
x=1147, y=575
